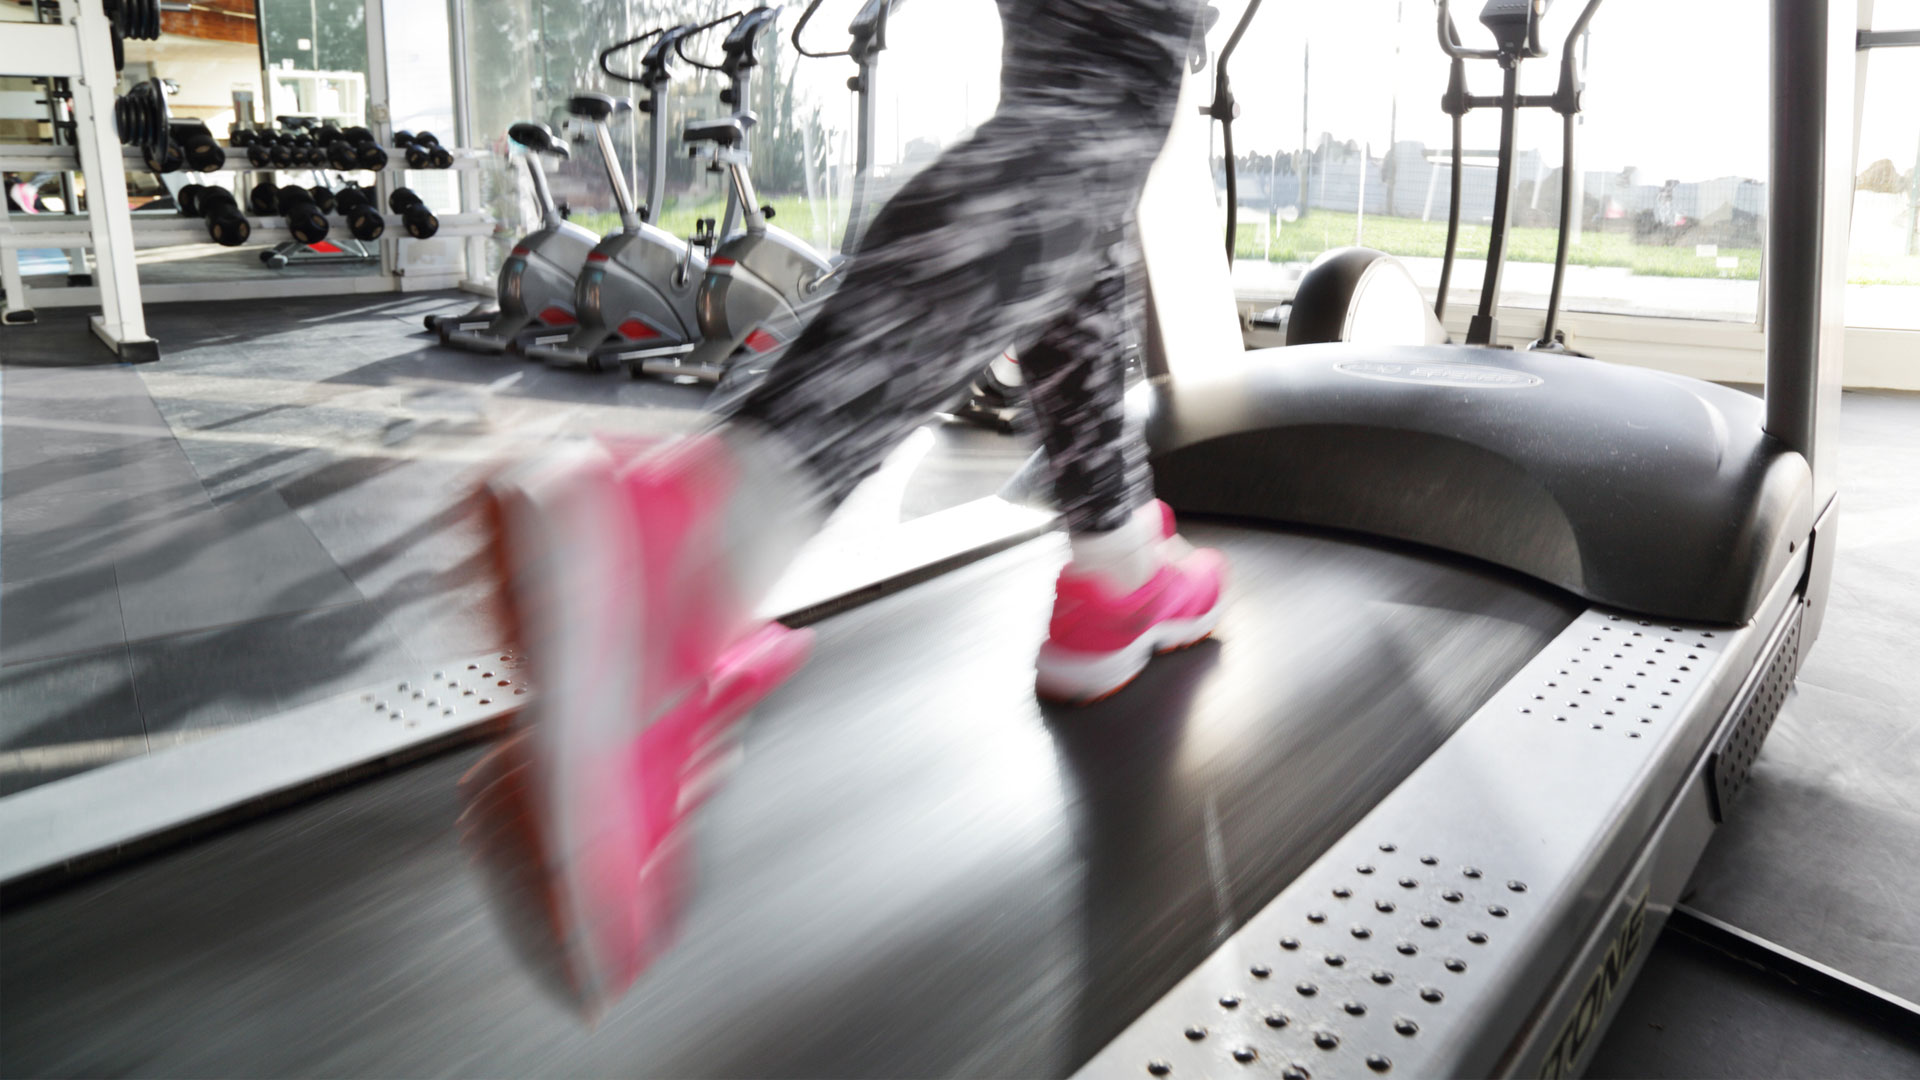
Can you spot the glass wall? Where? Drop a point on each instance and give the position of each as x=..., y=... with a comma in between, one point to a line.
x=315, y=53
x=1342, y=141
x=1883, y=258
x=420, y=90
x=528, y=56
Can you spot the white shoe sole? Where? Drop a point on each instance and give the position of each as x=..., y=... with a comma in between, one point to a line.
x=1068, y=675
x=584, y=718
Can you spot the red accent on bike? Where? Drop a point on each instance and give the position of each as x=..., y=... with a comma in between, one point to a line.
x=521, y=249
x=324, y=248
x=635, y=330
x=760, y=341
x=597, y=256
x=721, y=261
x=557, y=316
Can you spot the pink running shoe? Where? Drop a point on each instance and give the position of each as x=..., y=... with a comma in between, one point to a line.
x=618, y=589
x=1100, y=640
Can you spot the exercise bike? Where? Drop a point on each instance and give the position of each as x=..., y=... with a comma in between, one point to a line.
x=635, y=297
x=535, y=291
x=757, y=279
x=867, y=39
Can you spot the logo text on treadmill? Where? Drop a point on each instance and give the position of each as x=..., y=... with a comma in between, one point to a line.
x=1471, y=376
x=1578, y=1032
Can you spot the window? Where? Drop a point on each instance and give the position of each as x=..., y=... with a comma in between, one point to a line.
x=1342, y=141
x=1883, y=254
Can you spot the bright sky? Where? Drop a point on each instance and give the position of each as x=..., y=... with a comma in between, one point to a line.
x=1675, y=87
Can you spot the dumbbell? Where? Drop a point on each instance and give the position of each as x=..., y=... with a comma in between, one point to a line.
x=364, y=220
x=170, y=157
x=226, y=225
x=280, y=153
x=322, y=198
x=304, y=218
x=264, y=198
x=367, y=150
x=198, y=146
x=187, y=199
x=259, y=145
x=240, y=138
x=341, y=154
x=425, y=152
x=419, y=221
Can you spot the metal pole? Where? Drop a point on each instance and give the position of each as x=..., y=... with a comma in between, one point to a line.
x=549, y=210
x=475, y=247
x=1393, y=105
x=651, y=211
x=1454, y=177
x=1578, y=188
x=1306, y=84
x=122, y=322
x=1564, y=240
x=622, y=195
x=380, y=122
x=1484, y=329
x=1913, y=204
x=1810, y=171
x=656, y=153
x=866, y=128
x=1360, y=199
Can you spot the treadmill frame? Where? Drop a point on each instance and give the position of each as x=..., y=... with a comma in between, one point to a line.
x=1597, y=829
x=1598, y=808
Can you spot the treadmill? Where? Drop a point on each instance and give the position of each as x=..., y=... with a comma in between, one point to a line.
x=1494, y=662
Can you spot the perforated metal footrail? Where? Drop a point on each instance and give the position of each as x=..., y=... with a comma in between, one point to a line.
x=1733, y=757
x=1427, y=940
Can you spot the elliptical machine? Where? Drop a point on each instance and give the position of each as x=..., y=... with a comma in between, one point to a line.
x=1516, y=33
x=635, y=297
x=757, y=279
x=1350, y=294
x=535, y=292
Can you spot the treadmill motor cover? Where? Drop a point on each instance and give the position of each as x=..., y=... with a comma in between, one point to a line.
x=1646, y=491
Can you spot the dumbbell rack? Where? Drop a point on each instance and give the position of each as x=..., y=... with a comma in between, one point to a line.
x=161, y=230
x=76, y=45
x=290, y=251
x=79, y=48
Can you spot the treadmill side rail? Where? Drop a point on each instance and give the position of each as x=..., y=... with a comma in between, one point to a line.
x=1457, y=929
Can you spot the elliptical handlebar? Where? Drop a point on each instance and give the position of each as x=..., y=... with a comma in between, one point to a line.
x=1504, y=18
x=680, y=46
x=607, y=53
x=1450, y=37
x=745, y=34
x=1224, y=109
x=868, y=29
x=1568, y=100
x=653, y=63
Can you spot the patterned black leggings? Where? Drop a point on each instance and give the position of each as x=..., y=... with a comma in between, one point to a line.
x=1021, y=236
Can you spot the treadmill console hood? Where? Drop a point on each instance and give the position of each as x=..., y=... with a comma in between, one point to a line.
x=1646, y=491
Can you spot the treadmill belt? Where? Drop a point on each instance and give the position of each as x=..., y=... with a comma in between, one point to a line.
x=915, y=870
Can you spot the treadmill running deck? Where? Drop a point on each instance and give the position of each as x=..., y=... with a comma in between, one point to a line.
x=916, y=869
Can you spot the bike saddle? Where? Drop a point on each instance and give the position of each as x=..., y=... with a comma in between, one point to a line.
x=537, y=137
x=727, y=132
x=597, y=106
